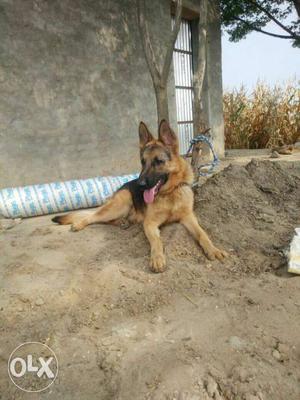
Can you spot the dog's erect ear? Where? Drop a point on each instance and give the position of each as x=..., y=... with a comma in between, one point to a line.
x=168, y=136
x=144, y=134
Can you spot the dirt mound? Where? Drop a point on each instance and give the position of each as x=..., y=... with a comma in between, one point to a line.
x=253, y=211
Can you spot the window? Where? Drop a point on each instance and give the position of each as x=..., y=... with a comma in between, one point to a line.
x=183, y=73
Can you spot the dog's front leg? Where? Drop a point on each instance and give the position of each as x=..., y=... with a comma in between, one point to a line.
x=158, y=260
x=191, y=223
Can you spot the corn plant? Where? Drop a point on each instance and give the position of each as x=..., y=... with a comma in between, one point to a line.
x=267, y=117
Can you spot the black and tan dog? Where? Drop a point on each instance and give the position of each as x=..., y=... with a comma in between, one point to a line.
x=160, y=195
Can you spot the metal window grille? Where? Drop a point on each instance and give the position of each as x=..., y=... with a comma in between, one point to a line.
x=183, y=73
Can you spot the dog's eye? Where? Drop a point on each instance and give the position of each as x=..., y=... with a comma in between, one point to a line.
x=158, y=161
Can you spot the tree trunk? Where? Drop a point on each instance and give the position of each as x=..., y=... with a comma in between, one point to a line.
x=159, y=74
x=161, y=94
x=198, y=79
x=199, y=74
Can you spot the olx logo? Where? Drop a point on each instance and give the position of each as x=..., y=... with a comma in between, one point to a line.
x=33, y=367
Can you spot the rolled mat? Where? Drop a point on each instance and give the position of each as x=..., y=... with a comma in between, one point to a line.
x=49, y=198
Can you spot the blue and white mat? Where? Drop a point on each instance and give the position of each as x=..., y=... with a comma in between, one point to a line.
x=30, y=201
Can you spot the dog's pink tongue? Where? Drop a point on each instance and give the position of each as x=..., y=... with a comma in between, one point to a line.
x=149, y=195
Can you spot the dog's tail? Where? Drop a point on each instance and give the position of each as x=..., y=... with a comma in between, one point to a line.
x=71, y=218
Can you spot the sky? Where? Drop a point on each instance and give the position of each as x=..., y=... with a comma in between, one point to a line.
x=259, y=57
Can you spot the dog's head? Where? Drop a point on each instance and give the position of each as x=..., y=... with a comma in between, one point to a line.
x=158, y=158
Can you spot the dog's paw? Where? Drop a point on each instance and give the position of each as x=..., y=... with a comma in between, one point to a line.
x=215, y=253
x=158, y=263
x=77, y=226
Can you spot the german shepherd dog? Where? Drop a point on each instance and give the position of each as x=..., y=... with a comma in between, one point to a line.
x=160, y=195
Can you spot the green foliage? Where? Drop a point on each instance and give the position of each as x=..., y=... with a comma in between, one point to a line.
x=240, y=17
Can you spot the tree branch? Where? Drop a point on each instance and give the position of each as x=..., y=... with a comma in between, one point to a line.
x=297, y=6
x=148, y=49
x=285, y=28
x=254, y=28
x=170, y=46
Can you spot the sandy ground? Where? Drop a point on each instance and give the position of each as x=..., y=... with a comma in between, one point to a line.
x=202, y=330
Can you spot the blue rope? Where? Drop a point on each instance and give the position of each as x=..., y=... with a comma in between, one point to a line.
x=206, y=139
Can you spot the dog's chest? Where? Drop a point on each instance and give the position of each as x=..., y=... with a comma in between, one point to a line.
x=172, y=207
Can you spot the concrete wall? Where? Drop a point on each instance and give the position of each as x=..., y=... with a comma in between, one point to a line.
x=74, y=85
x=212, y=92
